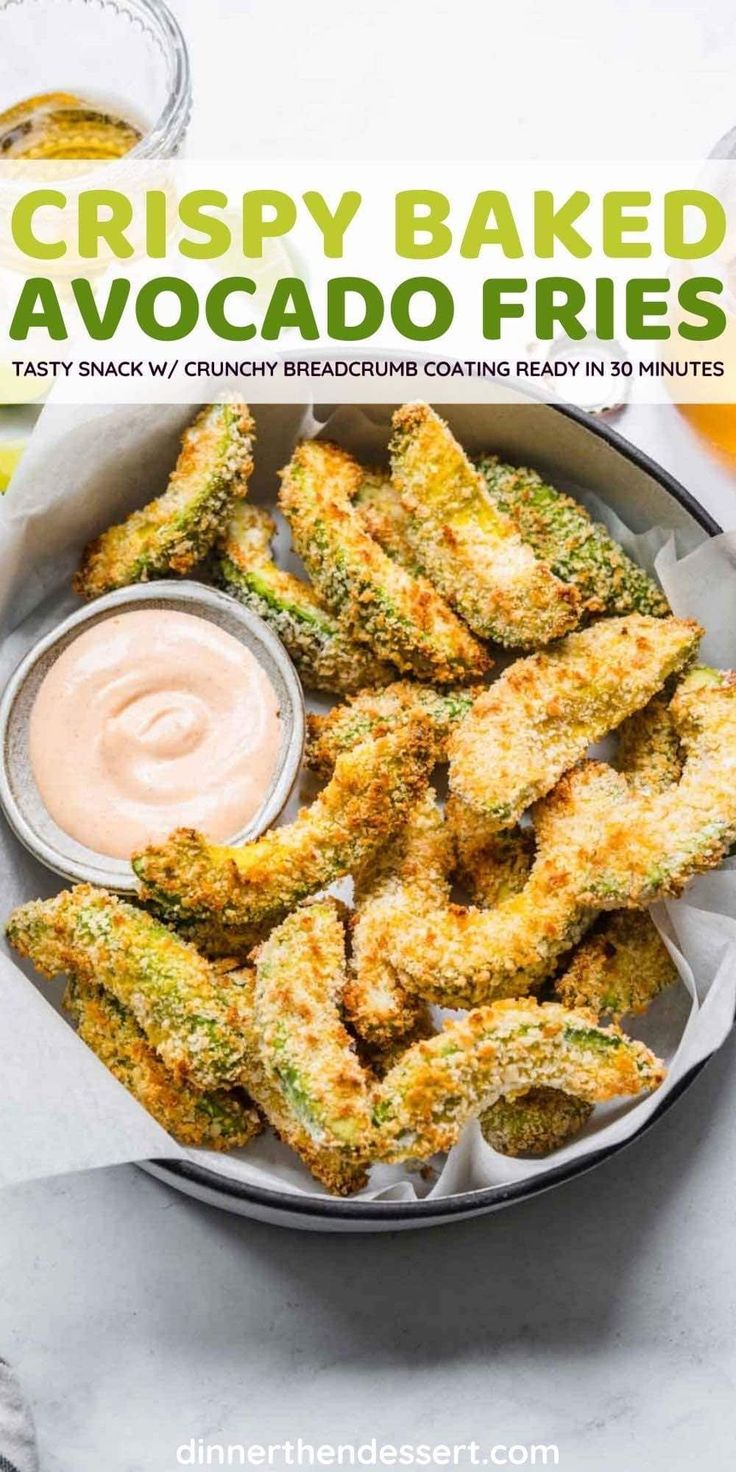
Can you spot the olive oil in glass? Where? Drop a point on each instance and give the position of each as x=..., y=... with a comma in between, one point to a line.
x=60, y=125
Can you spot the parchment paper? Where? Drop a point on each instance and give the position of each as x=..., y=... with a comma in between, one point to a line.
x=60, y=1110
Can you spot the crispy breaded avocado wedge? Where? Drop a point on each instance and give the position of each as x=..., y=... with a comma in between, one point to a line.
x=534, y=1123
x=370, y=793
x=468, y=548
x=424, y=1102
x=373, y=713
x=339, y=1168
x=304, y=1046
x=412, y=870
x=379, y=603
x=579, y=551
x=619, y=968
x=490, y=865
x=658, y=841
x=543, y=713
x=222, y=1119
x=381, y=511
x=175, y=531
x=648, y=751
x=171, y=991
x=325, y=656
x=465, y=957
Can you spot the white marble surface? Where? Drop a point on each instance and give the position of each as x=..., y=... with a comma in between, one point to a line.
x=601, y=1316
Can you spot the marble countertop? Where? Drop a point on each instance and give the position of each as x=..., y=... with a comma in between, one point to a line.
x=600, y=1316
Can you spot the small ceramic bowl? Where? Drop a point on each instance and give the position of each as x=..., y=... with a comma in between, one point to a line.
x=19, y=795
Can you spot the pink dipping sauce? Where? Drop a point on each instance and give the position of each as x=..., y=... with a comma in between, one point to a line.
x=149, y=721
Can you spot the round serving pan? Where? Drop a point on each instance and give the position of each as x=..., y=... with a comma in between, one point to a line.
x=575, y=449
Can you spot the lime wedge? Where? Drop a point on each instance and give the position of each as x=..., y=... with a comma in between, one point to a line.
x=10, y=453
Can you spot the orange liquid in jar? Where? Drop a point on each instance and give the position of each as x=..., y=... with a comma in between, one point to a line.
x=713, y=414
x=717, y=424
x=59, y=125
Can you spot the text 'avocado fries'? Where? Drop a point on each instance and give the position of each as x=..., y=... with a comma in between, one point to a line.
x=234, y=993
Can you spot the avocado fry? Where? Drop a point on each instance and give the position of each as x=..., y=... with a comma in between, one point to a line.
x=175, y=996
x=174, y=532
x=326, y=658
x=193, y=881
x=339, y=1168
x=221, y=1119
x=543, y=713
x=619, y=968
x=412, y=869
x=534, y=1123
x=658, y=841
x=580, y=551
x=373, y=713
x=304, y=1046
x=424, y=1102
x=377, y=602
x=469, y=549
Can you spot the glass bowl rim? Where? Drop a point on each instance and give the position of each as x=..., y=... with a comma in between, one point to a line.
x=164, y=137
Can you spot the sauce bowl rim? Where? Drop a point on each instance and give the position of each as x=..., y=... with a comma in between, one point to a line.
x=73, y=861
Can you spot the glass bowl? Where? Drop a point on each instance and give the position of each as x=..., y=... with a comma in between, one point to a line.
x=75, y=45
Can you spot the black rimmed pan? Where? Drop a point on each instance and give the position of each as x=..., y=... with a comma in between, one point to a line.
x=575, y=450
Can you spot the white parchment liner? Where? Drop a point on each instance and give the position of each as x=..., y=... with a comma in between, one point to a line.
x=60, y=1110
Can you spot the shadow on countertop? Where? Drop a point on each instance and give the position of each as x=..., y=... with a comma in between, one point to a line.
x=561, y=1267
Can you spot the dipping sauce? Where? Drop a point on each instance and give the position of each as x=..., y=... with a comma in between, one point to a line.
x=149, y=721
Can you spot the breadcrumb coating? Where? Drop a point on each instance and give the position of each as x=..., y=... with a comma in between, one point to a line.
x=326, y=658
x=468, y=548
x=658, y=841
x=412, y=871
x=373, y=713
x=300, y=978
x=379, y=506
x=463, y=957
x=172, y=992
x=339, y=1169
x=378, y=1056
x=377, y=602
x=231, y=889
x=427, y=1098
x=534, y=1123
x=619, y=968
x=491, y=866
x=175, y=531
x=219, y=1120
x=648, y=747
x=600, y=847
x=543, y=713
x=580, y=551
